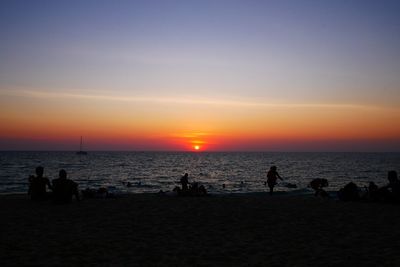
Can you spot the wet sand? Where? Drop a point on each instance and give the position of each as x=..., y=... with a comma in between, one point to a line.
x=152, y=230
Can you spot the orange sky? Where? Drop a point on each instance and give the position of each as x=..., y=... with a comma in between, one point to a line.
x=182, y=123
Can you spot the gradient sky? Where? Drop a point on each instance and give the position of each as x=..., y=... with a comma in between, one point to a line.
x=224, y=75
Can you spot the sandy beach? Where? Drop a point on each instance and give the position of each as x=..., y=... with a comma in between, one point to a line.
x=230, y=230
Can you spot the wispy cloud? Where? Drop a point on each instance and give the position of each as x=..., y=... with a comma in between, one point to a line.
x=181, y=100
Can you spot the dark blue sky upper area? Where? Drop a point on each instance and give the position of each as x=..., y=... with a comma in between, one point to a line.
x=304, y=48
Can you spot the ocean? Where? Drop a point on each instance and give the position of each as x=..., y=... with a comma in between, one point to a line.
x=241, y=172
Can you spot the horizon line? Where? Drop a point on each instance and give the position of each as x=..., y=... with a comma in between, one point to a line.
x=207, y=151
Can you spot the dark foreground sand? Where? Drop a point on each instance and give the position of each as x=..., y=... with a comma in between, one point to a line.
x=151, y=230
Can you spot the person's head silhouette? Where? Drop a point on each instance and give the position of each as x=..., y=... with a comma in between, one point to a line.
x=39, y=171
x=63, y=174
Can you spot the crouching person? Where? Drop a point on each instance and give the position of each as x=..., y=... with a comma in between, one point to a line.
x=64, y=189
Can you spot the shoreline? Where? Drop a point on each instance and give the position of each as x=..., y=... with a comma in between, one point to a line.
x=128, y=195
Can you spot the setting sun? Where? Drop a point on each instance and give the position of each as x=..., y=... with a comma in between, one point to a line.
x=216, y=88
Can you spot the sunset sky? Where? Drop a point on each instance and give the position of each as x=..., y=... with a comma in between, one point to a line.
x=221, y=75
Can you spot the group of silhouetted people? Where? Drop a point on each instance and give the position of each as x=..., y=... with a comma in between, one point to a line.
x=387, y=193
x=352, y=192
x=189, y=189
x=194, y=189
x=62, y=189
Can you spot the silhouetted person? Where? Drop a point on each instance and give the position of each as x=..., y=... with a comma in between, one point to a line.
x=202, y=190
x=391, y=192
x=349, y=192
x=394, y=184
x=318, y=184
x=185, y=182
x=64, y=189
x=372, y=191
x=37, y=185
x=272, y=176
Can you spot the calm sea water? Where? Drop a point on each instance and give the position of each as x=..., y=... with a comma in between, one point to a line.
x=154, y=171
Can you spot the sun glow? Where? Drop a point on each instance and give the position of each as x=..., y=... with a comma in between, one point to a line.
x=196, y=147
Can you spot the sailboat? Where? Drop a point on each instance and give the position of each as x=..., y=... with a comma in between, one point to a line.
x=81, y=152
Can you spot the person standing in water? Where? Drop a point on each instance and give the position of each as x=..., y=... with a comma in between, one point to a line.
x=272, y=176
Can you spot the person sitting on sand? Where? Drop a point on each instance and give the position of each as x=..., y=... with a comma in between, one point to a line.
x=350, y=192
x=391, y=192
x=372, y=192
x=318, y=184
x=38, y=184
x=64, y=189
x=101, y=192
x=272, y=176
x=197, y=190
x=185, y=182
x=202, y=191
